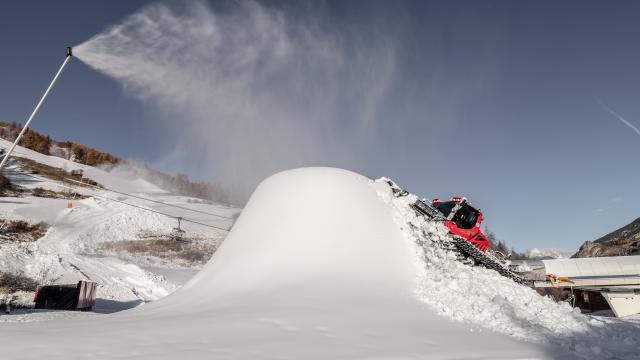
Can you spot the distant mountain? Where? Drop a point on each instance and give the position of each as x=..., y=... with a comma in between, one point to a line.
x=536, y=253
x=624, y=241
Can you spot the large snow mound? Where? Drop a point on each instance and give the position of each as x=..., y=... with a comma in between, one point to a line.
x=316, y=267
x=307, y=228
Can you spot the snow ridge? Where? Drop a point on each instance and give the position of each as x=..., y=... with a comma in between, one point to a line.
x=484, y=298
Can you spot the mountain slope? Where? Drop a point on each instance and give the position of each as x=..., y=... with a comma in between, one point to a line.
x=82, y=154
x=624, y=241
x=73, y=247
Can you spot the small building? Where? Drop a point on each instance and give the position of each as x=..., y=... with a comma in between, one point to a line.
x=81, y=296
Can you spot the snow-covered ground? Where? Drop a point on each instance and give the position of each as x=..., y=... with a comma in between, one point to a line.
x=475, y=295
x=325, y=264
x=69, y=251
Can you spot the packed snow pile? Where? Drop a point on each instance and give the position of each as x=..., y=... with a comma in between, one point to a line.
x=476, y=294
x=483, y=297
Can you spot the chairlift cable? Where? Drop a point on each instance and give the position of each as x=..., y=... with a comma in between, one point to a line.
x=143, y=198
x=151, y=200
x=165, y=214
x=133, y=205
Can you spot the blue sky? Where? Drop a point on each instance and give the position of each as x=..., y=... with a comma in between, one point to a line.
x=494, y=100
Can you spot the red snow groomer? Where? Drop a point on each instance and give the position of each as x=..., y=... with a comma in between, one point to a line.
x=462, y=219
x=459, y=216
x=463, y=222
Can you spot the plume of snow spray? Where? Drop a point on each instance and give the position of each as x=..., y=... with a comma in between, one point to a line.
x=248, y=89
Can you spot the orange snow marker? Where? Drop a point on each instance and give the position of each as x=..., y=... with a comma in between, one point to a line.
x=69, y=204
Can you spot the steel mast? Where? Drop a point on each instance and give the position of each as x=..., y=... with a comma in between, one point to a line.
x=33, y=114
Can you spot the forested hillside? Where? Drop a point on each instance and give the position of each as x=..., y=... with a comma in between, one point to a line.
x=65, y=149
x=179, y=183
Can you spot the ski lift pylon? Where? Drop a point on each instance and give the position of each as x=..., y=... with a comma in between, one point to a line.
x=177, y=233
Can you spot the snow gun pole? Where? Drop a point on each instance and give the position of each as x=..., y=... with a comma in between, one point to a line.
x=33, y=114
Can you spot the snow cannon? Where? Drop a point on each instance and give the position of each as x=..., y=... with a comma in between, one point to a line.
x=35, y=111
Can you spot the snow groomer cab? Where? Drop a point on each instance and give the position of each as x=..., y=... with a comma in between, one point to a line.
x=462, y=219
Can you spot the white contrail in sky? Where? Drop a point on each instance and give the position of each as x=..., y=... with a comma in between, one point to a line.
x=604, y=106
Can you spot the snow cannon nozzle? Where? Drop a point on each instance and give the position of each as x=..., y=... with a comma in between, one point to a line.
x=69, y=51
